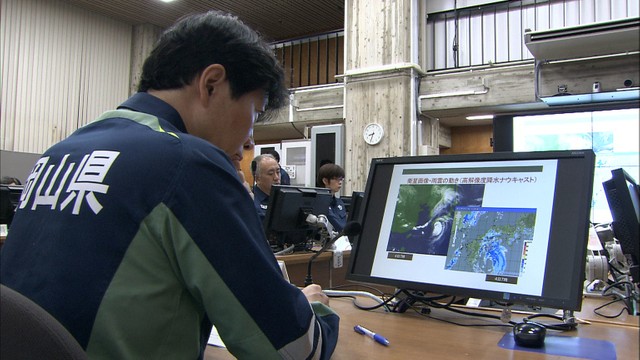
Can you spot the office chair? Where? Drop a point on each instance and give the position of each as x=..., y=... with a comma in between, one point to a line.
x=29, y=332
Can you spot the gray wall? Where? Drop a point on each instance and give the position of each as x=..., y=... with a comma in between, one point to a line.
x=17, y=164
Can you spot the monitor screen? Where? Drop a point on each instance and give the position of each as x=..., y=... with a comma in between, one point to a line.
x=9, y=199
x=285, y=221
x=510, y=227
x=623, y=196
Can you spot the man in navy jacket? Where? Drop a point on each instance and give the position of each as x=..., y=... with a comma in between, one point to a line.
x=135, y=231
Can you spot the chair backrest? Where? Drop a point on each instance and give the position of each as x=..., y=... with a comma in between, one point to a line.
x=29, y=332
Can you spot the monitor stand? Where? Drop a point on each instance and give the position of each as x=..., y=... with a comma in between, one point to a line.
x=518, y=307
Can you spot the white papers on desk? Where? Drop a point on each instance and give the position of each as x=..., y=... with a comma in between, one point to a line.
x=214, y=338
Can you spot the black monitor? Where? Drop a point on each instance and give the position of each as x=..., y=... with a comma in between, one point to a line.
x=623, y=196
x=510, y=227
x=9, y=200
x=285, y=221
x=354, y=210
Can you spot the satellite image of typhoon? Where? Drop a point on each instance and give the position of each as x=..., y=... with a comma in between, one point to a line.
x=490, y=240
x=424, y=215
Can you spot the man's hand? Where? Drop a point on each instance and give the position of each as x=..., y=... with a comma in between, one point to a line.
x=314, y=292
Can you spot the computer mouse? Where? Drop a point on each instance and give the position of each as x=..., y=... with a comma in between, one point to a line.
x=529, y=334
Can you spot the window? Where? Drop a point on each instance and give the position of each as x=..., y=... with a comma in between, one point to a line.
x=612, y=134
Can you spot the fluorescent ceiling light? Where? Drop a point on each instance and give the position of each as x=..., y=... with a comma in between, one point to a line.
x=167, y=1
x=610, y=96
x=480, y=117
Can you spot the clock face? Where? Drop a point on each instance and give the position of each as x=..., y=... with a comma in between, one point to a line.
x=373, y=133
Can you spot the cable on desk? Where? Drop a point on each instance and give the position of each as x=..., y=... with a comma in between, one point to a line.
x=430, y=316
x=431, y=302
x=596, y=310
x=629, y=299
x=285, y=251
x=380, y=292
x=353, y=294
x=563, y=326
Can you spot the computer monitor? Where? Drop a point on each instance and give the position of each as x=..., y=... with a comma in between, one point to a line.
x=354, y=210
x=285, y=220
x=623, y=196
x=9, y=199
x=510, y=227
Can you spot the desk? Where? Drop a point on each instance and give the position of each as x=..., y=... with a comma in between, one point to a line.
x=417, y=337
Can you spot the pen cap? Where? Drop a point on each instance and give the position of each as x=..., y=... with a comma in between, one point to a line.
x=380, y=339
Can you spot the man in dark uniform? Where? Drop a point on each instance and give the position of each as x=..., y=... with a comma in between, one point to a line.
x=331, y=177
x=125, y=229
x=267, y=174
x=284, y=176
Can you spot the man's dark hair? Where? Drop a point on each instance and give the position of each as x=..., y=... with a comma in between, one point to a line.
x=275, y=154
x=197, y=41
x=329, y=171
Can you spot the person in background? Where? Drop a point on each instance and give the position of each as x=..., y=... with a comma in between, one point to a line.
x=136, y=233
x=284, y=176
x=267, y=174
x=331, y=177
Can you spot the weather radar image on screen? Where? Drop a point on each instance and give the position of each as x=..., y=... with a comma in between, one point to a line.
x=491, y=241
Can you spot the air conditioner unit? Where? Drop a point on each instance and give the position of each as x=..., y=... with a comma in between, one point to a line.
x=612, y=37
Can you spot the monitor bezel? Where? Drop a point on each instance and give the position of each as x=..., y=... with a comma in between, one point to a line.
x=625, y=222
x=10, y=200
x=355, y=210
x=572, y=301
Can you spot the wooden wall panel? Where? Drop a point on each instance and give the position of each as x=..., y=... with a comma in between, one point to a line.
x=311, y=62
x=470, y=140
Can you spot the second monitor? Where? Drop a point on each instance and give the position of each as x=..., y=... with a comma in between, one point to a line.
x=285, y=222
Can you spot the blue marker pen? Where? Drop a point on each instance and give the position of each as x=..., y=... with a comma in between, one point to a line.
x=377, y=337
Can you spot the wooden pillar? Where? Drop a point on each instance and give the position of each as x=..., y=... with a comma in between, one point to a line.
x=380, y=82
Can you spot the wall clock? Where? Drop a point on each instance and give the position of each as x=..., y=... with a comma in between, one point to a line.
x=373, y=133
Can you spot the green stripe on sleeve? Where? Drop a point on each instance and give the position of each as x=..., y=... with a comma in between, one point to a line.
x=141, y=118
x=157, y=299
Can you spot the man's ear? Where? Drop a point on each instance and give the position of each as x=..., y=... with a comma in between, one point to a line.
x=212, y=76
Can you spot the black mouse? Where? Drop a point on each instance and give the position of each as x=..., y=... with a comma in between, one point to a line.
x=529, y=334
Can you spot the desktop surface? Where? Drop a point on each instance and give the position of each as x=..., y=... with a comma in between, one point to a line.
x=414, y=336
